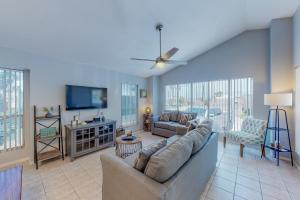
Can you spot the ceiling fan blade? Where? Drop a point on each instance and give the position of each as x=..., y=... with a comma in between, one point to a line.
x=170, y=53
x=177, y=62
x=142, y=59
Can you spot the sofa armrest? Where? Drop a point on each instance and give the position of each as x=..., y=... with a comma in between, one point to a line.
x=155, y=118
x=121, y=181
x=181, y=130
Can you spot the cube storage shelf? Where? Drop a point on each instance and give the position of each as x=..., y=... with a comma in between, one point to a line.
x=83, y=139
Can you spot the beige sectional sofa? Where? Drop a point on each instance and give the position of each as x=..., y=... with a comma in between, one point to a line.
x=122, y=181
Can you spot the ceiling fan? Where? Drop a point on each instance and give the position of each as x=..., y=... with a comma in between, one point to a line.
x=165, y=58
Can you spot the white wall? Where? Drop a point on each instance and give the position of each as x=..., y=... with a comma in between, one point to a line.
x=296, y=44
x=246, y=55
x=48, y=78
x=281, y=69
x=153, y=91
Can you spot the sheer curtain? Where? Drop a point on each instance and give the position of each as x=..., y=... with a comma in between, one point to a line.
x=129, y=104
x=11, y=109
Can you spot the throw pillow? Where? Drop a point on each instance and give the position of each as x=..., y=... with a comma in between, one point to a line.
x=184, y=118
x=143, y=157
x=207, y=123
x=193, y=124
x=165, y=117
x=173, y=116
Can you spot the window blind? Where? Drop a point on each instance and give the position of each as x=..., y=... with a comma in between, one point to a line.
x=11, y=109
x=129, y=104
x=184, y=97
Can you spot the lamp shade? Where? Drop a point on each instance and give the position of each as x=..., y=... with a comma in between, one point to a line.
x=148, y=110
x=278, y=99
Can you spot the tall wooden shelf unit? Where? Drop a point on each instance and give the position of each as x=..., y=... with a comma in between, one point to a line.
x=46, y=143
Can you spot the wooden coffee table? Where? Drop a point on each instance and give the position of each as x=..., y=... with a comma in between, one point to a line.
x=126, y=148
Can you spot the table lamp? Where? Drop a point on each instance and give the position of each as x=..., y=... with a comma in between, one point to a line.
x=278, y=100
x=147, y=110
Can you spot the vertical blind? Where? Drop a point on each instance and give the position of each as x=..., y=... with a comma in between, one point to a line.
x=184, y=97
x=129, y=104
x=227, y=102
x=11, y=109
x=171, y=97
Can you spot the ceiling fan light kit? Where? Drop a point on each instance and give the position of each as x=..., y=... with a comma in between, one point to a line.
x=164, y=59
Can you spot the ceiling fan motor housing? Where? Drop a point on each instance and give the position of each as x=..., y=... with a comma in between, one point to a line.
x=159, y=27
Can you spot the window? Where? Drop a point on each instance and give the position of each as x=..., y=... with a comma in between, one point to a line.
x=129, y=104
x=227, y=102
x=11, y=109
x=200, y=99
x=241, y=102
x=171, y=97
x=184, y=97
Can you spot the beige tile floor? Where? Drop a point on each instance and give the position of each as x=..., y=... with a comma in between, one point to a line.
x=234, y=178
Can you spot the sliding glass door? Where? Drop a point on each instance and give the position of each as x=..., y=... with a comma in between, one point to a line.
x=227, y=102
x=200, y=99
x=218, y=104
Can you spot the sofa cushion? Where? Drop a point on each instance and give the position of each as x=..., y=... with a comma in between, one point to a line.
x=165, y=163
x=174, y=125
x=165, y=117
x=143, y=157
x=199, y=137
x=161, y=124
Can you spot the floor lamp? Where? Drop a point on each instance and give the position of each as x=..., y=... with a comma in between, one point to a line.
x=276, y=100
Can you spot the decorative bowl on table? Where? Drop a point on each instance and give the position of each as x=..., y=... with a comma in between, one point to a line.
x=128, y=138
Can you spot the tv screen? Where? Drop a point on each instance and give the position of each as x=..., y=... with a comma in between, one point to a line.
x=80, y=97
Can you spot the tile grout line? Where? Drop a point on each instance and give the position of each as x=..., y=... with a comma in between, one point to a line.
x=71, y=183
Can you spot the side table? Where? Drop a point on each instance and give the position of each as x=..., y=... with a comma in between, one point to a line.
x=125, y=148
x=147, y=122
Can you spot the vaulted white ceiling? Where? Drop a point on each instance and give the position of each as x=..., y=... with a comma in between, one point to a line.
x=106, y=33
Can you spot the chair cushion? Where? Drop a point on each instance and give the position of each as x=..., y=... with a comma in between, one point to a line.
x=161, y=124
x=165, y=163
x=143, y=157
x=243, y=137
x=254, y=126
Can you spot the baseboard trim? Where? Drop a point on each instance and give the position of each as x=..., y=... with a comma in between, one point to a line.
x=8, y=164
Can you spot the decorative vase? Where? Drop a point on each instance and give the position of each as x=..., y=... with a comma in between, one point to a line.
x=49, y=114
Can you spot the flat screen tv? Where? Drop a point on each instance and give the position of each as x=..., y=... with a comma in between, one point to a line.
x=81, y=97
